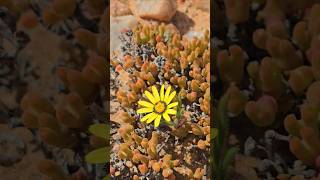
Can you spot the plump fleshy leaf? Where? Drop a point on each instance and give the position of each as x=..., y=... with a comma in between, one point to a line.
x=214, y=133
x=98, y=156
x=229, y=158
x=100, y=130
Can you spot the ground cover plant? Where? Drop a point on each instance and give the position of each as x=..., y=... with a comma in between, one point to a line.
x=160, y=96
x=266, y=65
x=160, y=89
x=53, y=61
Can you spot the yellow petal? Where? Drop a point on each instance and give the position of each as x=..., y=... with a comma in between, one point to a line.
x=167, y=93
x=171, y=111
x=145, y=104
x=162, y=93
x=144, y=110
x=172, y=105
x=147, y=117
x=154, y=115
x=155, y=93
x=166, y=117
x=157, y=121
x=150, y=97
x=168, y=100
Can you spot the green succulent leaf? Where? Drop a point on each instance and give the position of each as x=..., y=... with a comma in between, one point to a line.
x=179, y=108
x=214, y=133
x=100, y=130
x=98, y=156
x=223, y=120
x=229, y=157
x=223, y=155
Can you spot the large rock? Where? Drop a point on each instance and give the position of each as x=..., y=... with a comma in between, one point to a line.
x=118, y=25
x=202, y=4
x=161, y=10
x=119, y=8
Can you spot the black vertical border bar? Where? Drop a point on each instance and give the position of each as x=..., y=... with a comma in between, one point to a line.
x=108, y=83
x=212, y=71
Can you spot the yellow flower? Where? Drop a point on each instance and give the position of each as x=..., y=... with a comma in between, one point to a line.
x=159, y=105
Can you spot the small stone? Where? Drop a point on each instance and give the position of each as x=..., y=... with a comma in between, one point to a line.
x=117, y=173
x=162, y=152
x=135, y=169
x=112, y=170
x=68, y=155
x=129, y=164
x=161, y=10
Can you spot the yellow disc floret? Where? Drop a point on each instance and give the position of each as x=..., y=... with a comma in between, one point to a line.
x=160, y=107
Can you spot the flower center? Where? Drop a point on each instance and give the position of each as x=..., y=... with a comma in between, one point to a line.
x=160, y=107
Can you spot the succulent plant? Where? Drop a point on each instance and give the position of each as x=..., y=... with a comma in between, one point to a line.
x=60, y=119
x=170, y=72
x=100, y=155
x=267, y=64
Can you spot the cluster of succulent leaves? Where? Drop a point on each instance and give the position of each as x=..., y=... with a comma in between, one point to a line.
x=180, y=110
x=100, y=155
x=223, y=155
